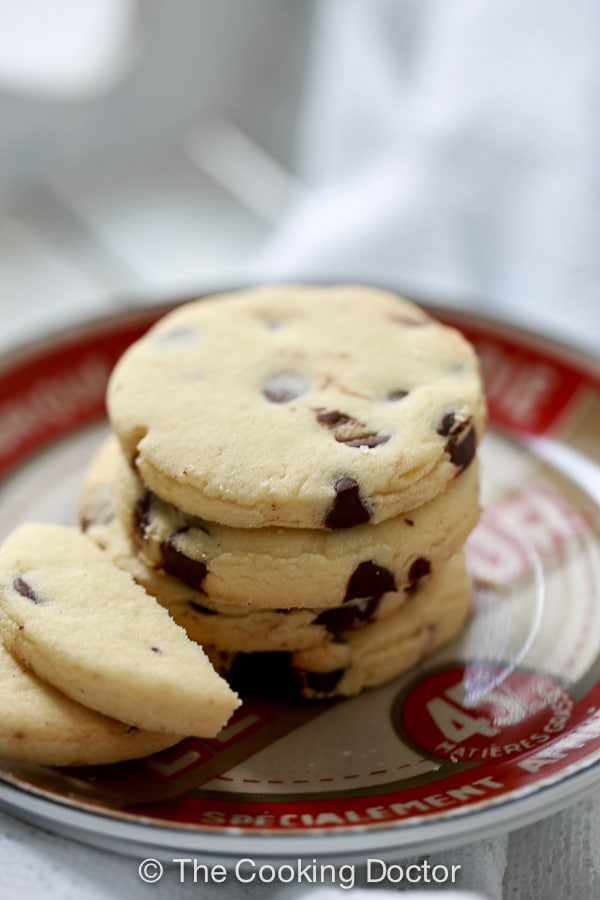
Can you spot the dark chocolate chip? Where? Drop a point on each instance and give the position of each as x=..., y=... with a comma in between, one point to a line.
x=369, y=440
x=333, y=418
x=348, y=509
x=345, y=618
x=205, y=610
x=369, y=580
x=419, y=568
x=284, y=388
x=462, y=451
x=268, y=674
x=351, y=437
x=323, y=682
x=190, y=571
x=446, y=424
x=25, y=590
x=397, y=395
x=462, y=440
x=141, y=513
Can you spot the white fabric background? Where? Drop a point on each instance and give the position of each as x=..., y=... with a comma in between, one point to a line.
x=452, y=148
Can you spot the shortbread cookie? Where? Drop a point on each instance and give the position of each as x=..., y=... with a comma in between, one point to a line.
x=84, y=626
x=206, y=621
x=238, y=629
x=365, y=658
x=304, y=407
x=289, y=568
x=40, y=725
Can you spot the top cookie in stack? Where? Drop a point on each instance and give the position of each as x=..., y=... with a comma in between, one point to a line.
x=297, y=448
x=298, y=407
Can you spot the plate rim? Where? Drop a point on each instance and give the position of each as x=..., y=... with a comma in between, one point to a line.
x=441, y=834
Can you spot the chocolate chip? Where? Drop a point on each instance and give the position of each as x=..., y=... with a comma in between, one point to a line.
x=25, y=590
x=190, y=571
x=333, y=418
x=141, y=514
x=348, y=509
x=345, y=618
x=284, y=387
x=419, y=568
x=323, y=682
x=348, y=430
x=462, y=452
x=446, y=424
x=369, y=440
x=268, y=674
x=369, y=580
x=409, y=522
x=397, y=395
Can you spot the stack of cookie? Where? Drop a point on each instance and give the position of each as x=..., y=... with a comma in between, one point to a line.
x=293, y=476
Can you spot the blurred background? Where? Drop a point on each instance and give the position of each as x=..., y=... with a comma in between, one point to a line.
x=156, y=149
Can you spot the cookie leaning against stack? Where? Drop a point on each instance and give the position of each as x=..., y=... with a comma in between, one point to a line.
x=296, y=469
x=92, y=669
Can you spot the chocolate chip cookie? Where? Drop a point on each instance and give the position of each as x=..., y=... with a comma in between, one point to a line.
x=360, y=659
x=84, y=626
x=271, y=568
x=296, y=406
x=40, y=725
x=230, y=626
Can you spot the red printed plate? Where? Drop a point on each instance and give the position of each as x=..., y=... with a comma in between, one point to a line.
x=497, y=730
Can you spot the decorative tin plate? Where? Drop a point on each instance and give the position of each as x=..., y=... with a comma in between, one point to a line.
x=498, y=729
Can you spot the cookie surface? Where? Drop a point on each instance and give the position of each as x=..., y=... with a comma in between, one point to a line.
x=305, y=407
x=371, y=656
x=271, y=568
x=84, y=626
x=39, y=725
